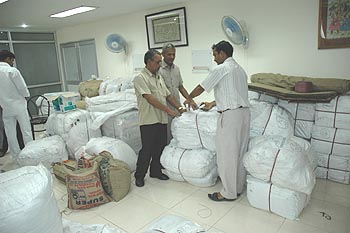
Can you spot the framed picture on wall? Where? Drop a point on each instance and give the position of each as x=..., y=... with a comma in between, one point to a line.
x=167, y=27
x=334, y=24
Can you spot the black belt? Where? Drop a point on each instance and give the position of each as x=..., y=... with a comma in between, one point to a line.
x=228, y=109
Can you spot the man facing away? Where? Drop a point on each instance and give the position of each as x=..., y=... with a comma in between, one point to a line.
x=13, y=102
x=152, y=95
x=173, y=80
x=229, y=82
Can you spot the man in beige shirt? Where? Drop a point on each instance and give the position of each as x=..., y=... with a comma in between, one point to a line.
x=152, y=96
x=173, y=80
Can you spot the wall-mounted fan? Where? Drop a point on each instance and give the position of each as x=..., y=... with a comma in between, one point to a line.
x=235, y=31
x=115, y=43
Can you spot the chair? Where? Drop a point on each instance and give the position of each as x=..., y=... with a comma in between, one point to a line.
x=38, y=107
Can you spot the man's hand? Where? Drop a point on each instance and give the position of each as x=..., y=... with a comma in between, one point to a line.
x=172, y=112
x=192, y=104
x=206, y=106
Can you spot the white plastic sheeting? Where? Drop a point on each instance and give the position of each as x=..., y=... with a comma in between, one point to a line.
x=284, y=202
x=269, y=119
x=335, y=114
x=333, y=161
x=285, y=162
x=111, y=85
x=252, y=95
x=45, y=150
x=74, y=227
x=118, y=149
x=190, y=165
x=303, y=115
x=195, y=129
x=112, y=101
x=27, y=202
x=125, y=127
x=174, y=224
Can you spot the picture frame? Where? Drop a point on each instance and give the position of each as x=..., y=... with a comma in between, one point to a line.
x=334, y=24
x=167, y=27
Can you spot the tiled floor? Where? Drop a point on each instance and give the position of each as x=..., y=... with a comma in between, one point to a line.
x=328, y=211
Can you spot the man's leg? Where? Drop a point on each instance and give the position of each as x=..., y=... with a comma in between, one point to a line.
x=10, y=129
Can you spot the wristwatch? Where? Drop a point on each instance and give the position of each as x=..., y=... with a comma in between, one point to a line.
x=180, y=108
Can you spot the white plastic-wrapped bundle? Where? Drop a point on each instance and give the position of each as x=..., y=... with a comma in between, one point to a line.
x=125, y=127
x=111, y=85
x=208, y=180
x=60, y=124
x=110, y=102
x=45, y=150
x=333, y=161
x=331, y=140
x=27, y=202
x=195, y=129
x=333, y=174
x=74, y=227
x=118, y=149
x=174, y=224
x=303, y=115
x=281, y=201
x=335, y=114
x=194, y=163
x=284, y=162
x=269, y=119
x=80, y=134
x=252, y=95
x=44, y=105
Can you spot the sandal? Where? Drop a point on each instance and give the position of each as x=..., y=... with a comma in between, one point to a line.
x=215, y=197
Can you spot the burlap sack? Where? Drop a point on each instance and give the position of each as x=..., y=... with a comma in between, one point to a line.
x=60, y=169
x=115, y=175
x=84, y=188
x=89, y=88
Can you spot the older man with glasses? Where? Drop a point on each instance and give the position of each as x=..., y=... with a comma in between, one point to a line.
x=173, y=80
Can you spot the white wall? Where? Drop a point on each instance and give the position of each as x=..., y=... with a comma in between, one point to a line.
x=283, y=39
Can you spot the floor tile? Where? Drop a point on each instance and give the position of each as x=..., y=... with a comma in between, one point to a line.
x=290, y=226
x=203, y=210
x=246, y=219
x=133, y=213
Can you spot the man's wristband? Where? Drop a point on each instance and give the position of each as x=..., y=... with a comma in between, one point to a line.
x=180, y=108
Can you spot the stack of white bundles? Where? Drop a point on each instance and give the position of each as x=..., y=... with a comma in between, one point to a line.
x=285, y=162
x=118, y=149
x=112, y=101
x=27, y=202
x=197, y=167
x=74, y=227
x=75, y=127
x=111, y=85
x=125, y=127
x=335, y=114
x=174, y=224
x=195, y=129
x=269, y=119
x=332, y=146
x=284, y=202
x=252, y=95
x=46, y=151
x=303, y=115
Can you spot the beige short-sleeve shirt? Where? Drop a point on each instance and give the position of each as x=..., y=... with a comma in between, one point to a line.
x=148, y=83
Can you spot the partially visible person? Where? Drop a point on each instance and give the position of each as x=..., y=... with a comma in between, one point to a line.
x=3, y=138
x=13, y=102
x=152, y=95
x=230, y=85
x=173, y=80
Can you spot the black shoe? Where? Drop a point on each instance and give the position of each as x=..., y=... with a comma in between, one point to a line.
x=139, y=182
x=161, y=177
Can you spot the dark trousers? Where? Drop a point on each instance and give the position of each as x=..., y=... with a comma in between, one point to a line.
x=154, y=139
x=4, y=146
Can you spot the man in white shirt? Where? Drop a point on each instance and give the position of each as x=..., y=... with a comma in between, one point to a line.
x=229, y=82
x=173, y=80
x=13, y=93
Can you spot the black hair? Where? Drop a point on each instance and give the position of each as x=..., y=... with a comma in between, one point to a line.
x=5, y=54
x=224, y=46
x=149, y=55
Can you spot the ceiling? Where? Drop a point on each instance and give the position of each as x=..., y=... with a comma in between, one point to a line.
x=35, y=13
